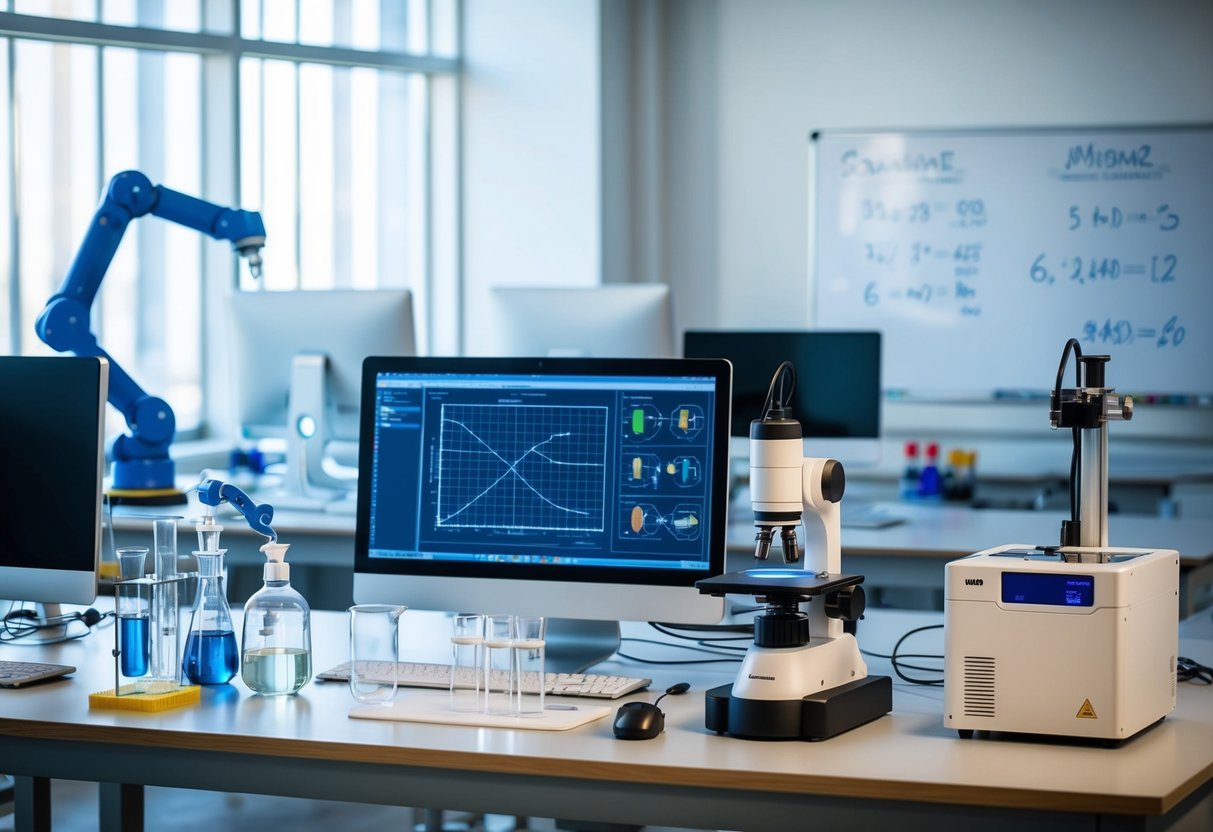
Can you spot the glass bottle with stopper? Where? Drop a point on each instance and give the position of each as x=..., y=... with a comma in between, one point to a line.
x=276, y=646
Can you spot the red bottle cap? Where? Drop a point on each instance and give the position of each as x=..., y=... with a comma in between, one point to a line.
x=933, y=450
x=911, y=449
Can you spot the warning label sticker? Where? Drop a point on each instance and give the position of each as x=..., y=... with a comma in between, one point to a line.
x=1086, y=711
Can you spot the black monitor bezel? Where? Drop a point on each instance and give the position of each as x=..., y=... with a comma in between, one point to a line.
x=741, y=421
x=717, y=369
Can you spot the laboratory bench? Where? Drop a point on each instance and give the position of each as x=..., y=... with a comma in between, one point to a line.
x=904, y=770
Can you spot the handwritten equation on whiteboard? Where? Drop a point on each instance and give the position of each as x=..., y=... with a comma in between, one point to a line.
x=979, y=253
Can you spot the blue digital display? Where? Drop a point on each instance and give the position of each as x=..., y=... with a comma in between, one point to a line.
x=1052, y=589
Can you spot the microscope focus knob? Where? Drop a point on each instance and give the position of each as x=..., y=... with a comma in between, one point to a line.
x=781, y=629
x=847, y=604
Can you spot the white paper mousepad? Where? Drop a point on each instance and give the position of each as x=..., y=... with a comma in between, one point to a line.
x=432, y=706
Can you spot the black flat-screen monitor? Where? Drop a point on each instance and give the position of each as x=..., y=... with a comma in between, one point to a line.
x=52, y=458
x=838, y=391
x=573, y=488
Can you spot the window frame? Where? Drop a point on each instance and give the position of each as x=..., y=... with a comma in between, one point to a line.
x=222, y=48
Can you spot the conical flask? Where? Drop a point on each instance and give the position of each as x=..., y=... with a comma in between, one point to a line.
x=211, y=656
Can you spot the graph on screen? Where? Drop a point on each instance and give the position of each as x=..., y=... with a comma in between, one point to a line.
x=522, y=467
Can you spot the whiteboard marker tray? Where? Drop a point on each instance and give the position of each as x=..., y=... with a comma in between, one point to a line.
x=434, y=707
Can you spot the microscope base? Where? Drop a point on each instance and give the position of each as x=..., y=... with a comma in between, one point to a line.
x=817, y=716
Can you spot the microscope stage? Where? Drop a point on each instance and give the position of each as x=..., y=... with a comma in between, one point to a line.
x=768, y=581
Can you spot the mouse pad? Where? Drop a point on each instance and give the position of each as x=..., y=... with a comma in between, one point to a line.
x=434, y=706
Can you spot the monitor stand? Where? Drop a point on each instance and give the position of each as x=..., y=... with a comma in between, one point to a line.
x=306, y=485
x=574, y=645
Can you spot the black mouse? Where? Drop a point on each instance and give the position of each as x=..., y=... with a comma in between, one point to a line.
x=639, y=721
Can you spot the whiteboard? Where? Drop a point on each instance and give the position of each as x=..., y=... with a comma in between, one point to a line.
x=978, y=253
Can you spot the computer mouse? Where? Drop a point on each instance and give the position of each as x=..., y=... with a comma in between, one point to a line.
x=638, y=721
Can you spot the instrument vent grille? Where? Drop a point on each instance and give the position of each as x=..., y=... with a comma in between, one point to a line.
x=979, y=686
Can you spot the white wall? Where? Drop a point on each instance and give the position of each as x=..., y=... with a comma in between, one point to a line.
x=531, y=148
x=786, y=67
x=742, y=83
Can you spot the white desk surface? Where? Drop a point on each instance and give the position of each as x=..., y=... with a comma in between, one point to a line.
x=305, y=745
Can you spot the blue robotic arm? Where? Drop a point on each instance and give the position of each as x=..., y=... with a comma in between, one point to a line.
x=215, y=492
x=142, y=467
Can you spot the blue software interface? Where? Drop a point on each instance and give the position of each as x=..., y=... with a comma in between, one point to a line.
x=602, y=471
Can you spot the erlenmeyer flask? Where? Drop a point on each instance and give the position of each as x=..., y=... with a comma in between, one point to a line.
x=211, y=656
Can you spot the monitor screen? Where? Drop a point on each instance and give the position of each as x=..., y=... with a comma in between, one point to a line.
x=297, y=365
x=578, y=488
x=632, y=320
x=838, y=393
x=270, y=329
x=52, y=457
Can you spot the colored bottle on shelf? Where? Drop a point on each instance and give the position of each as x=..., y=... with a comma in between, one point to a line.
x=910, y=473
x=930, y=483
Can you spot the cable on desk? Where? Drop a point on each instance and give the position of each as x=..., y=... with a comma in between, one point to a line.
x=722, y=656
x=897, y=659
x=20, y=622
x=1187, y=670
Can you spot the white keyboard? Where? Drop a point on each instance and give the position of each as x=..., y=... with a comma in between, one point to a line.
x=423, y=675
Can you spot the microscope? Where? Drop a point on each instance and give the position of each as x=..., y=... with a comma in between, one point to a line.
x=803, y=678
x=1077, y=639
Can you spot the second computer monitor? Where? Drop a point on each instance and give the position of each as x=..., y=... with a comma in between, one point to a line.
x=627, y=320
x=297, y=360
x=52, y=456
x=838, y=393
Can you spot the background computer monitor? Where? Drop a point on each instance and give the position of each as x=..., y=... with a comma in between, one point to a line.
x=52, y=461
x=573, y=488
x=297, y=364
x=633, y=320
x=838, y=391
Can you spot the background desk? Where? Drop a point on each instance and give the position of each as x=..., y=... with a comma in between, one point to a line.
x=911, y=554
x=904, y=771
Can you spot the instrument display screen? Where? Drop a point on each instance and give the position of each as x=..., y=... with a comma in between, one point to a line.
x=1049, y=589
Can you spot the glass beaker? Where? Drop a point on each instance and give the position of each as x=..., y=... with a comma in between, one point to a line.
x=133, y=613
x=374, y=652
x=211, y=656
x=529, y=681
x=499, y=664
x=467, y=663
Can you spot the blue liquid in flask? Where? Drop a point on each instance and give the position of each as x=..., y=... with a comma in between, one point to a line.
x=211, y=657
x=134, y=638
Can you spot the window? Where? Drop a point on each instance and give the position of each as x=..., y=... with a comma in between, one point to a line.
x=333, y=118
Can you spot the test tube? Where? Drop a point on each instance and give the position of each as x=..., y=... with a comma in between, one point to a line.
x=132, y=613
x=166, y=646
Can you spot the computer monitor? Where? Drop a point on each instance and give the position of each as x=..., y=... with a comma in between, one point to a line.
x=590, y=489
x=52, y=461
x=630, y=320
x=838, y=393
x=297, y=364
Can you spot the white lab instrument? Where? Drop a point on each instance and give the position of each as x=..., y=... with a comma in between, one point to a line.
x=1076, y=640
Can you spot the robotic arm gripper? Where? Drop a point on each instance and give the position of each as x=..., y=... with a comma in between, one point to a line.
x=143, y=470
